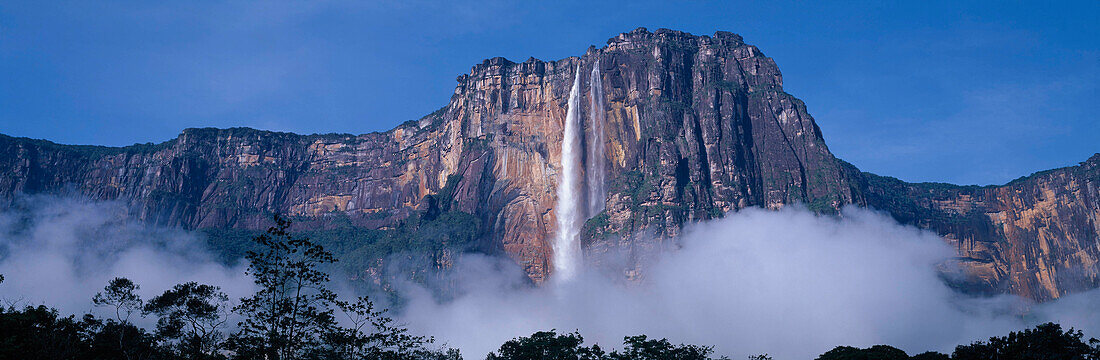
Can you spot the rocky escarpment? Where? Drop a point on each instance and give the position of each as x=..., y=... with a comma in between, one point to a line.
x=696, y=126
x=1037, y=236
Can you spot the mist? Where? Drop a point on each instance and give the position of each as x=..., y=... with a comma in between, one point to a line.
x=788, y=283
x=60, y=251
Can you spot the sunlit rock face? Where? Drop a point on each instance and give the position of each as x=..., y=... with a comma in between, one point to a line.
x=693, y=127
x=1037, y=236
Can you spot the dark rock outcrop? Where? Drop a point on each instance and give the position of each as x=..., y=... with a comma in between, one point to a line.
x=696, y=126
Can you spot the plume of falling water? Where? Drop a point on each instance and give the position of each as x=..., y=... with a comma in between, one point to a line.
x=596, y=144
x=567, y=252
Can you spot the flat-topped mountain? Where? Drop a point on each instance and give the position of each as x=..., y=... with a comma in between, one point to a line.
x=693, y=127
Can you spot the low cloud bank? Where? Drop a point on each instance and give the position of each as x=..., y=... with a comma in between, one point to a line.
x=788, y=283
x=61, y=251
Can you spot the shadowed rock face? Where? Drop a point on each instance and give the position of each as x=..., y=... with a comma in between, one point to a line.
x=696, y=126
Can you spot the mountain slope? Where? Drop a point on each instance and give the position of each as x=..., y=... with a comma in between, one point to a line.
x=696, y=126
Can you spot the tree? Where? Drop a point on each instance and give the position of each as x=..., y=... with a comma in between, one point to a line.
x=39, y=333
x=291, y=316
x=639, y=347
x=1046, y=341
x=370, y=334
x=119, y=294
x=192, y=315
x=548, y=345
x=877, y=352
x=110, y=340
x=930, y=355
x=285, y=318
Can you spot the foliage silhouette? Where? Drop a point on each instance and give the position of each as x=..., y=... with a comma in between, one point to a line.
x=191, y=317
x=120, y=295
x=1046, y=341
x=549, y=345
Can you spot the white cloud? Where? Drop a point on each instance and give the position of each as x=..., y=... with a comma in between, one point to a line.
x=61, y=251
x=788, y=283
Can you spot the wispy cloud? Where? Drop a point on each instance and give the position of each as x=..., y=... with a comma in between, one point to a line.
x=61, y=251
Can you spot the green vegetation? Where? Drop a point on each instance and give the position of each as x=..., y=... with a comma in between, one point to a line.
x=549, y=345
x=119, y=294
x=446, y=194
x=1035, y=175
x=191, y=315
x=414, y=238
x=907, y=202
x=893, y=195
x=823, y=205
x=877, y=352
x=425, y=237
x=89, y=151
x=1046, y=341
x=293, y=307
x=633, y=183
x=594, y=226
x=639, y=187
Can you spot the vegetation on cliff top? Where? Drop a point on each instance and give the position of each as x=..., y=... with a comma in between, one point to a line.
x=87, y=151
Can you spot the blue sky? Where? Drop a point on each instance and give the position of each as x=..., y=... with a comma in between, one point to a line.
x=974, y=93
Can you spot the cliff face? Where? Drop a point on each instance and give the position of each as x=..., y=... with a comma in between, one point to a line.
x=1038, y=236
x=696, y=126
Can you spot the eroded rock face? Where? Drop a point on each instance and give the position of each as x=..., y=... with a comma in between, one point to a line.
x=696, y=126
x=1038, y=236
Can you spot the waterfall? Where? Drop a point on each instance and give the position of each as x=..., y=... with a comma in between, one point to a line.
x=596, y=144
x=567, y=252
